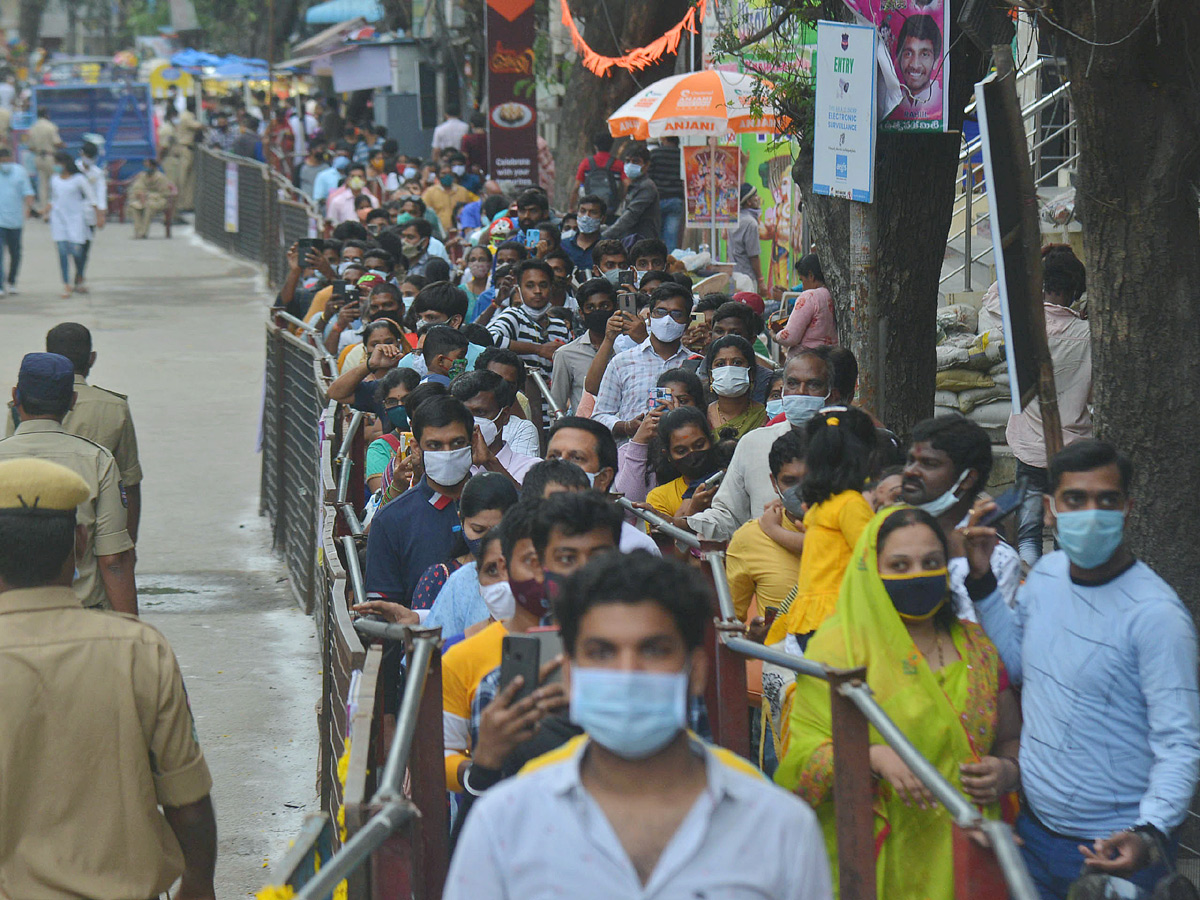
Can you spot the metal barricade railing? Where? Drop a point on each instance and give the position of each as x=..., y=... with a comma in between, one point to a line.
x=854, y=709
x=245, y=228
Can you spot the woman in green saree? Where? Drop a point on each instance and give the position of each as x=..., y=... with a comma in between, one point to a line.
x=939, y=679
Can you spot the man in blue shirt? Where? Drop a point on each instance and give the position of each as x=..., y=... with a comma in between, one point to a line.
x=1105, y=655
x=417, y=529
x=16, y=199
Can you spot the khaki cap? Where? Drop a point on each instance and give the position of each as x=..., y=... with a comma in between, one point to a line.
x=36, y=487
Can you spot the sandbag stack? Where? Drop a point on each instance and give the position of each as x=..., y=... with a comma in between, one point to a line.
x=972, y=375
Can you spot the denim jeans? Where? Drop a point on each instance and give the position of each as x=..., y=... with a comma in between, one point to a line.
x=10, y=239
x=1054, y=860
x=1031, y=513
x=66, y=252
x=672, y=221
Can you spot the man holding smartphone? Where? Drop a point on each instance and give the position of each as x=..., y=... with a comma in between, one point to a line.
x=543, y=543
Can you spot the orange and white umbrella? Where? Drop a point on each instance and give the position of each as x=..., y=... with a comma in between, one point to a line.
x=710, y=102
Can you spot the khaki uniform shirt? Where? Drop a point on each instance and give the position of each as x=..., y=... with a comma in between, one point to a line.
x=186, y=129
x=102, y=514
x=144, y=188
x=95, y=733
x=101, y=416
x=42, y=137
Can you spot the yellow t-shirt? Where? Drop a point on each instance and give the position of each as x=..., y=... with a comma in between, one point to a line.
x=667, y=498
x=463, y=667
x=831, y=530
x=757, y=566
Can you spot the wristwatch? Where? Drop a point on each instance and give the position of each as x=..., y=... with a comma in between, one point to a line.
x=1153, y=839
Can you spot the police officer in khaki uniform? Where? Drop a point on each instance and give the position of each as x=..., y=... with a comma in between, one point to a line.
x=183, y=171
x=95, y=730
x=43, y=139
x=43, y=396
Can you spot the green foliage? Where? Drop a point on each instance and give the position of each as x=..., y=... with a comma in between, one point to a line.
x=767, y=45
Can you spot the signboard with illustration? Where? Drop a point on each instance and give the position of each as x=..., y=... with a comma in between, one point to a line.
x=844, y=125
x=512, y=110
x=710, y=183
x=913, y=60
x=767, y=164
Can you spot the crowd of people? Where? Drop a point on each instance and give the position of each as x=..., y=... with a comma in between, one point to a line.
x=518, y=368
x=1044, y=690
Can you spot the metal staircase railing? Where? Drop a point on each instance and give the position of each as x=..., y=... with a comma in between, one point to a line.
x=971, y=194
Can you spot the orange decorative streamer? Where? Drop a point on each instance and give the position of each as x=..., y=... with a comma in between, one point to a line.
x=634, y=59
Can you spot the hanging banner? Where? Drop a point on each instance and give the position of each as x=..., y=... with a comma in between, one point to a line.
x=711, y=177
x=231, y=197
x=844, y=125
x=512, y=111
x=914, y=62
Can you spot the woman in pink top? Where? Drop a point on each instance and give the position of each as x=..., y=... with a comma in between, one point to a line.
x=811, y=323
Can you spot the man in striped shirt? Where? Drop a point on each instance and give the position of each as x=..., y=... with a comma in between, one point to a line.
x=527, y=329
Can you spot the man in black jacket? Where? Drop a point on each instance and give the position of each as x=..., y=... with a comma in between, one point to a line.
x=640, y=213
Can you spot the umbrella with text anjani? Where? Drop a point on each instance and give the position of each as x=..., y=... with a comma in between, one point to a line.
x=709, y=102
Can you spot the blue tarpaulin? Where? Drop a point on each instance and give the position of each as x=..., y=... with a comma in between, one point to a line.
x=195, y=59
x=333, y=11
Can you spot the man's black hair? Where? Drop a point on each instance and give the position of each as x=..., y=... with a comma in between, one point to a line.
x=423, y=392
x=420, y=205
x=34, y=548
x=574, y=513
x=417, y=281
x=504, y=357
x=441, y=340
x=438, y=412
x=350, y=231
x=423, y=226
x=965, y=442
x=74, y=341
x=529, y=265
x=533, y=197
x=669, y=290
x=560, y=254
x=493, y=204
x=380, y=254
x=1086, y=455
x=844, y=373
x=437, y=269
x=595, y=286
x=637, y=151
x=921, y=28
x=471, y=384
x=551, y=229
x=592, y=198
x=840, y=447
x=606, y=445
x=602, y=141
x=396, y=377
x=379, y=213
x=441, y=297
x=713, y=302
x=554, y=471
x=735, y=310
x=788, y=447
x=608, y=247
x=522, y=251
x=517, y=525
x=477, y=334
x=637, y=577
x=648, y=247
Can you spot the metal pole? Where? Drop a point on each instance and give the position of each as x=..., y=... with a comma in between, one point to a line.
x=657, y=521
x=391, y=782
x=343, y=457
x=353, y=570
x=716, y=563
x=852, y=792
x=1016, y=875
x=556, y=410
x=969, y=227
x=366, y=840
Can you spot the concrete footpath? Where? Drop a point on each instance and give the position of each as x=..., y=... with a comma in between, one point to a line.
x=179, y=328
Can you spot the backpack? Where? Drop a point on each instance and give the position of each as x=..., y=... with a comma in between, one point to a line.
x=604, y=183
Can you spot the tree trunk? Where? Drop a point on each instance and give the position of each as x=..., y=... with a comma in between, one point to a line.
x=30, y=22
x=590, y=100
x=914, y=201
x=1138, y=109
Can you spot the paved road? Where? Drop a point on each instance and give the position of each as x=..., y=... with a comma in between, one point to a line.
x=178, y=328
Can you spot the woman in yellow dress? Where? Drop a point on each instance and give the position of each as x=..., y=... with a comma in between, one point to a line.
x=939, y=679
x=688, y=451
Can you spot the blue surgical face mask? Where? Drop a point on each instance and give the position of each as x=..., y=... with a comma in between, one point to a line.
x=1089, y=537
x=939, y=505
x=631, y=714
x=397, y=416
x=633, y=170
x=473, y=545
x=799, y=408
x=774, y=407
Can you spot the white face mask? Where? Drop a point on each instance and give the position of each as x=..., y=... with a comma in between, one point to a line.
x=459, y=170
x=568, y=234
x=667, y=329
x=488, y=428
x=537, y=314
x=730, y=381
x=499, y=600
x=940, y=504
x=633, y=170
x=447, y=467
x=409, y=173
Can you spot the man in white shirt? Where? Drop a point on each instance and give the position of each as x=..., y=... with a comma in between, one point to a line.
x=90, y=168
x=449, y=135
x=590, y=446
x=637, y=807
x=483, y=392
